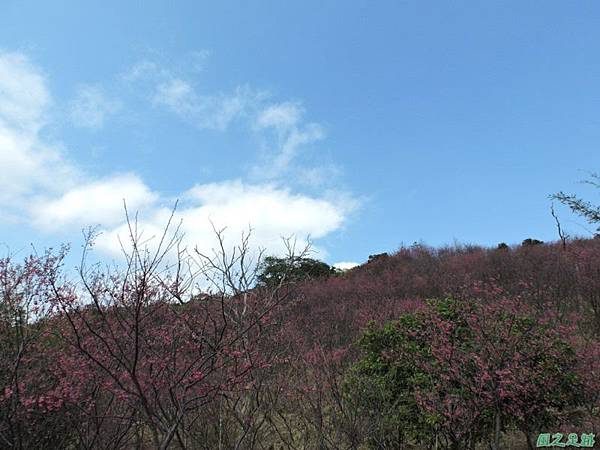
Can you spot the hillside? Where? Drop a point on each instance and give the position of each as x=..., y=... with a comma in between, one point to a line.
x=447, y=348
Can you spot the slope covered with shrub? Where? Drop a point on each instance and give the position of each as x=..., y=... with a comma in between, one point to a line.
x=449, y=348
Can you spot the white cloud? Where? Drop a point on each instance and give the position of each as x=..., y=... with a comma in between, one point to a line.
x=267, y=206
x=91, y=107
x=345, y=265
x=28, y=163
x=270, y=211
x=96, y=203
x=23, y=92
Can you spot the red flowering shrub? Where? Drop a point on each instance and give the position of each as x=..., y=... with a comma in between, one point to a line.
x=462, y=372
x=139, y=358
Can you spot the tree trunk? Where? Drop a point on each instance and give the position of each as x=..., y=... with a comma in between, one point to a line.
x=529, y=441
x=497, y=430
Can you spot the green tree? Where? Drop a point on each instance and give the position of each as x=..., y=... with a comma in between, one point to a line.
x=531, y=242
x=383, y=386
x=273, y=270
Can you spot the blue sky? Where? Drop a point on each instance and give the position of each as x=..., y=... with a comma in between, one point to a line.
x=363, y=124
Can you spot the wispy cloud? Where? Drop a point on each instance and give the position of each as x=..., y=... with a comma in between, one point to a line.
x=286, y=132
x=205, y=111
x=91, y=107
x=280, y=126
x=318, y=176
x=177, y=95
x=162, y=67
x=282, y=116
x=143, y=70
x=175, y=88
